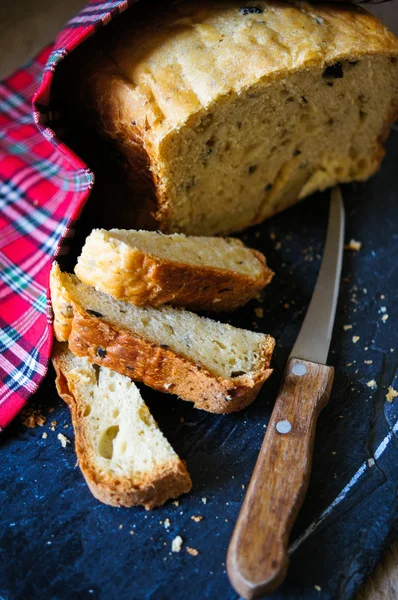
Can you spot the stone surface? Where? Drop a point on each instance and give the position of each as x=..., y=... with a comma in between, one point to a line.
x=57, y=540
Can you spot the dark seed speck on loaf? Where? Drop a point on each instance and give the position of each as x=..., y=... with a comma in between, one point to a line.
x=334, y=71
x=94, y=313
x=251, y=10
x=101, y=352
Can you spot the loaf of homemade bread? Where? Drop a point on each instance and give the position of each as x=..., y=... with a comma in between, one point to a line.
x=225, y=112
x=218, y=367
x=149, y=268
x=123, y=455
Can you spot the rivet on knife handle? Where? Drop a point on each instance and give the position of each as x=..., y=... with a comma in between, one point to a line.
x=257, y=557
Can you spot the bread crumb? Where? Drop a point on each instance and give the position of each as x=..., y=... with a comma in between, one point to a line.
x=51, y=409
x=131, y=532
x=371, y=462
x=368, y=362
x=167, y=523
x=54, y=423
x=259, y=312
x=353, y=245
x=286, y=305
x=318, y=588
x=345, y=327
x=176, y=544
x=176, y=503
x=372, y=384
x=63, y=439
x=204, y=500
x=31, y=418
x=355, y=338
x=391, y=394
x=197, y=519
x=120, y=526
x=44, y=436
x=278, y=246
x=272, y=235
x=192, y=551
x=384, y=318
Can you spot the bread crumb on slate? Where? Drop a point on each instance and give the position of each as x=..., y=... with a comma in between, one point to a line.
x=44, y=436
x=204, y=500
x=353, y=245
x=31, y=418
x=196, y=518
x=318, y=588
x=54, y=423
x=368, y=362
x=131, y=532
x=391, y=394
x=192, y=551
x=371, y=462
x=345, y=327
x=384, y=318
x=355, y=338
x=63, y=439
x=259, y=312
x=176, y=503
x=286, y=305
x=167, y=523
x=176, y=544
x=372, y=384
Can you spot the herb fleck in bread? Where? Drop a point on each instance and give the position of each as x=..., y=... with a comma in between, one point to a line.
x=148, y=268
x=218, y=367
x=124, y=457
x=225, y=113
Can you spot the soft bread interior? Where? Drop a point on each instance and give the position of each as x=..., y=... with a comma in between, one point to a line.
x=223, y=350
x=121, y=437
x=222, y=253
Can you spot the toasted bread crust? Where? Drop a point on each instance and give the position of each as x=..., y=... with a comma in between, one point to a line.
x=162, y=369
x=169, y=481
x=143, y=279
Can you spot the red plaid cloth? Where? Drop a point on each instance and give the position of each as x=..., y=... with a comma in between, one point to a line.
x=43, y=188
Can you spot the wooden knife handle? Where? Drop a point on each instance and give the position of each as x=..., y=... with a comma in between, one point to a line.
x=257, y=558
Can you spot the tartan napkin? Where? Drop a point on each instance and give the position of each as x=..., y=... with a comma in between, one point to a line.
x=43, y=188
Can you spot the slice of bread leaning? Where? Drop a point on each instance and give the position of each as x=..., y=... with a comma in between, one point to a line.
x=218, y=367
x=124, y=457
x=149, y=268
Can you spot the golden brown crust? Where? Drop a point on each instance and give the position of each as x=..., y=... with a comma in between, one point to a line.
x=164, y=370
x=147, y=280
x=169, y=481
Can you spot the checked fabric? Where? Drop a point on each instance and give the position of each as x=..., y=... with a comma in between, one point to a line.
x=43, y=188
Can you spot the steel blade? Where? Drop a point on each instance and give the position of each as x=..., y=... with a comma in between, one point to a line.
x=315, y=334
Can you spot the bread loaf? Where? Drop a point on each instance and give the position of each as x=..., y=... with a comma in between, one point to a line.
x=148, y=268
x=217, y=367
x=227, y=112
x=124, y=457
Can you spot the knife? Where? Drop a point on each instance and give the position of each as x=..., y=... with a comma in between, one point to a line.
x=257, y=559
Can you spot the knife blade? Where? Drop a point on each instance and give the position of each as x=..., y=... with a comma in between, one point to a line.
x=257, y=559
x=313, y=341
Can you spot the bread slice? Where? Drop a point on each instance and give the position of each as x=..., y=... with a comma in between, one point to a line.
x=151, y=269
x=226, y=112
x=217, y=367
x=124, y=457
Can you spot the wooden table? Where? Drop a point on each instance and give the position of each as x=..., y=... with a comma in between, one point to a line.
x=25, y=27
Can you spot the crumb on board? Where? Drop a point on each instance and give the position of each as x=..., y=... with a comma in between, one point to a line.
x=196, y=518
x=278, y=246
x=63, y=439
x=286, y=305
x=318, y=588
x=192, y=551
x=204, y=500
x=121, y=526
x=372, y=384
x=176, y=503
x=32, y=418
x=167, y=523
x=131, y=532
x=391, y=394
x=353, y=245
x=272, y=235
x=371, y=462
x=54, y=423
x=346, y=327
x=45, y=435
x=259, y=312
x=355, y=338
x=176, y=544
x=384, y=318
x=368, y=362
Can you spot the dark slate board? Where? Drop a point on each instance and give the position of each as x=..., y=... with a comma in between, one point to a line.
x=58, y=542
